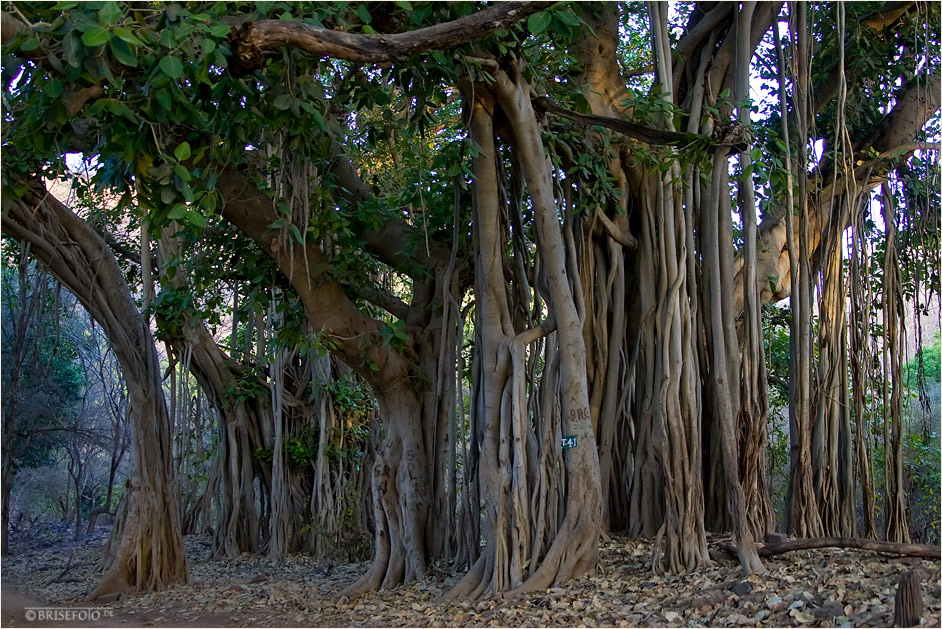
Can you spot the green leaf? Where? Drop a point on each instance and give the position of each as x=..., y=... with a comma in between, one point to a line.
x=31, y=43
x=125, y=34
x=561, y=28
x=118, y=108
x=195, y=219
x=570, y=19
x=295, y=233
x=180, y=171
x=167, y=195
x=209, y=202
x=319, y=120
x=187, y=192
x=724, y=94
x=53, y=88
x=539, y=22
x=405, y=6
x=182, y=152
x=163, y=98
x=284, y=101
x=364, y=14
x=109, y=13
x=97, y=36
x=177, y=212
x=122, y=52
x=72, y=49
x=171, y=66
x=219, y=30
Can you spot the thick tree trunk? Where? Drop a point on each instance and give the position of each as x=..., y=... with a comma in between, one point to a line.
x=673, y=396
x=240, y=420
x=400, y=487
x=150, y=552
x=605, y=244
x=501, y=428
x=831, y=441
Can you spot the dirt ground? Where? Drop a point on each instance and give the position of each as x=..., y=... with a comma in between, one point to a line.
x=44, y=584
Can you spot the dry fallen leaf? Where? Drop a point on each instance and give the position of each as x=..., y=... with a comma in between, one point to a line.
x=793, y=591
x=803, y=617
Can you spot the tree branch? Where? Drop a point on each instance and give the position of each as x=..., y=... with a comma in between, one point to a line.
x=385, y=300
x=630, y=129
x=908, y=550
x=918, y=100
x=697, y=33
x=622, y=237
x=10, y=27
x=256, y=39
x=324, y=300
x=887, y=14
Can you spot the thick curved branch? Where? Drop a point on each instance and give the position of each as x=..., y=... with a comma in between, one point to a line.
x=887, y=14
x=256, y=39
x=721, y=73
x=619, y=235
x=720, y=14
x=323, y=297
x=919, y=99
x=80, y=259
x=385, y=300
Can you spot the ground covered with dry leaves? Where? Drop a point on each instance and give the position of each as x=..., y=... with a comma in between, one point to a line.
x=818, y=588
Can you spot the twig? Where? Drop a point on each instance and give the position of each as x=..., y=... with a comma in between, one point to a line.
x=68, y=566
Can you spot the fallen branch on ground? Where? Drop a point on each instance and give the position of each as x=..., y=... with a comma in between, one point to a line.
x=909, y=550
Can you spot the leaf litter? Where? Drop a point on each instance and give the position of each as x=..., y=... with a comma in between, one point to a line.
x=813, y=588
